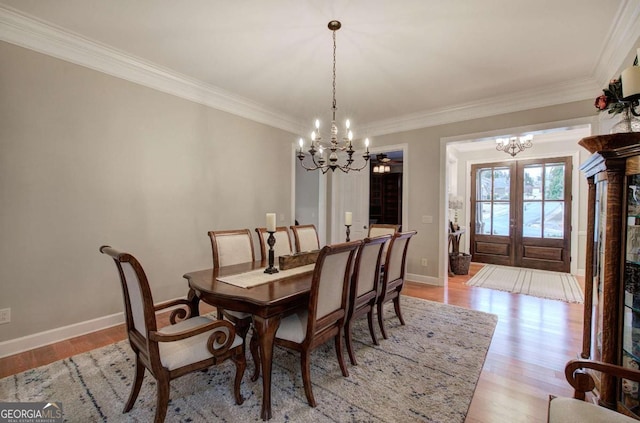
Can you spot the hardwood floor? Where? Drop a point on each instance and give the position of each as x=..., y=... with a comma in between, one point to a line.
x=532, y=342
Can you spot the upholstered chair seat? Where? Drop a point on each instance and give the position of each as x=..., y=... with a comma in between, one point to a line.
x=191, y=350
x=571, y=410
x=294, y=327
x=580, y=409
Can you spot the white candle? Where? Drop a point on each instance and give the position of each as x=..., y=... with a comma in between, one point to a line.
x=271, y=222
x=630, y=81
x=348, y=217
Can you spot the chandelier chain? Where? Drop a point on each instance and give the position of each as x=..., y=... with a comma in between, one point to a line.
x=334, y=76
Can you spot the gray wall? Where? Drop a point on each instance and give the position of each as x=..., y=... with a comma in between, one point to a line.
x=88, y=159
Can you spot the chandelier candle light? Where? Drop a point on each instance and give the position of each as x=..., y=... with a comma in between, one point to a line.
x=271, y=241
x=348, y=219
x=514, y=145
x=334, y=146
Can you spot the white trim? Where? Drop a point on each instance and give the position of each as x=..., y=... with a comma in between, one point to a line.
x=625, y=31
x=427, y=280
x=524, y=100
x=28, y=32
x=29, y=342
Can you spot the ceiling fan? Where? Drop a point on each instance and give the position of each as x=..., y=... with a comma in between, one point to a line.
x=382, y=163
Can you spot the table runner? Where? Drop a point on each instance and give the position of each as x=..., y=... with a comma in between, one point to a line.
x=258, y=277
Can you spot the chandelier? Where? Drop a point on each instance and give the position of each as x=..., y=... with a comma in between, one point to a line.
x=318, y=147
x=514, y=145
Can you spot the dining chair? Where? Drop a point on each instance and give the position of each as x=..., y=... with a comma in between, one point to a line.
x=305, y=237
x=363, y=293
x=282, y=246
x=393, y=276
x=189, y=344
x=231, y=247
x=377, y=229
x=324, y=317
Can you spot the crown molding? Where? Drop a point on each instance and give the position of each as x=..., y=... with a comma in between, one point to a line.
x=624, y=36
x=561, y=93
x=25, y=31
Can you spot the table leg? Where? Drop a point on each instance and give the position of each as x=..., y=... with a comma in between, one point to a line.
x=194, y=300
x=266, y=329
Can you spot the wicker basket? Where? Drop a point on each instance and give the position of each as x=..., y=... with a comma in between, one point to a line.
x=459, y=263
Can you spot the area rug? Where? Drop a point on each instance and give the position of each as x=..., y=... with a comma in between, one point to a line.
x=537, y=283
x=426, y=371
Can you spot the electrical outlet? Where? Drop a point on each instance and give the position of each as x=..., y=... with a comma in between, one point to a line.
x=427, y=219
x=424, y=262
x=5, y=315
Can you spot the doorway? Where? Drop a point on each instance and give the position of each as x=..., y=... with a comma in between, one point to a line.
x=350, y=193
x=521, y=213
x=385, y=188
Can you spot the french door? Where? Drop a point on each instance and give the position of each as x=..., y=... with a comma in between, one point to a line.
x=521, y=213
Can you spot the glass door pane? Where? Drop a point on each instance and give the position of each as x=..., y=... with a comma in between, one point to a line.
x=493, y=196
x=543, y=205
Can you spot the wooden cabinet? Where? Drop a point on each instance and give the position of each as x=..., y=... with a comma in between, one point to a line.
x=385, y=200
x=609, y=315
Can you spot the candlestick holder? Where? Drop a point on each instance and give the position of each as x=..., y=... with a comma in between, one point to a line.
x=271, y=241
x=348, y=232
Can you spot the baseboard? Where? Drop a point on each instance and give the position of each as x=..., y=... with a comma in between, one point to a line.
x=429, y=280
x=29, y=342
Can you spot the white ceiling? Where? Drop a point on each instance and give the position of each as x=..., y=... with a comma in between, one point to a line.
x=400, y=65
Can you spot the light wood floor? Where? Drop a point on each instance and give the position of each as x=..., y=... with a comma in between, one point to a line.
x=533, y=340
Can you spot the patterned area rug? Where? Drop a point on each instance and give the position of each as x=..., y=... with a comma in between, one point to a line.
x=537, y=283
x=426, y=371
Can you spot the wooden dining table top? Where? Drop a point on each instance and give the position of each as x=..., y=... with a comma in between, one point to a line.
x=262, y=299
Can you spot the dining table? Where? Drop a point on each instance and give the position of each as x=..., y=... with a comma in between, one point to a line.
x=267, y=297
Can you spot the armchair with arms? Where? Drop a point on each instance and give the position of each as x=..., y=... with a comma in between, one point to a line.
x=191, y=343
x=576, y=409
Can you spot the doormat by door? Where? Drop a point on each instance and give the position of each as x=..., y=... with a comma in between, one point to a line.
x=537, y=283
